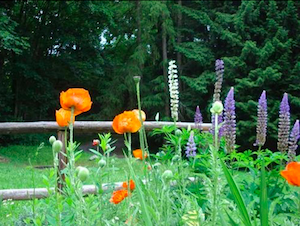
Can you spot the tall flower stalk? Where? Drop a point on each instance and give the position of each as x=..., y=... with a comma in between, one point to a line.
x=230, y=122
x=216, y=110
x=142, y=132
x=219, y=67
x=198, y=118
x=173, y=89
x=262, y=119
x=284, y=125
x=293, y=141
x=77, y=101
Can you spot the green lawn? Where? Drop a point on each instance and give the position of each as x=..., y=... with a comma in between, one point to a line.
x=19, y=171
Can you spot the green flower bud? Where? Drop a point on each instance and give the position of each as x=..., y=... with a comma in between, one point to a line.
x=136, y=79
x=167, y=175
x=178, y=132
x=186, y=164
x=160, y=154
x=57, y=146
x=156, y=165
x=52, y=139
x=83, y=174
x=77, y=169
x=176, y=158
x=217, y=108
x=102, y=163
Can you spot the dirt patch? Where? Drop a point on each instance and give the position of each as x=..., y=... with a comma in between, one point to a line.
x=43, y=167
x=2, y=159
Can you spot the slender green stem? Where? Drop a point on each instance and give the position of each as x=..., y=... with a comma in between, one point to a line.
x=298, y=199
x=216, y=132
x=142, y=132
x=71, y=125
x=76, y=184
x=215, y=172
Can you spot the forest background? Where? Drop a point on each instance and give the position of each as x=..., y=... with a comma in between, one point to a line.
x=48, y=46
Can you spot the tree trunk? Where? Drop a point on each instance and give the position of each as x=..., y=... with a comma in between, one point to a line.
x=164, y=65
x=138, y=21
x=139, y=33
x=179, y=55
x=179, y=39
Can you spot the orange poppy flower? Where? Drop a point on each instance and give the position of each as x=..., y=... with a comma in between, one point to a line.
x=76, y=97
x=131, y=185
x=118, y=196
x=63, y=117
x=136, y=111
x=292, y=173
x=127, y=122
x=138, y=153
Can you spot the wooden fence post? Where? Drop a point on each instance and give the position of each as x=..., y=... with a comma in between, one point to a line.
x=62, y=160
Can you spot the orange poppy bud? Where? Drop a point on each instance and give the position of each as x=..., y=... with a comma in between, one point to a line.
x=292, y=173
x=76, y=97
x=127, y=122
x=131, y=185
x=138, y=153
x=136, y=111
x=63, y=117
x=118, y=196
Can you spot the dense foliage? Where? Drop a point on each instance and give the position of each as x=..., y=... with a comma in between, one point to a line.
x=49, y=46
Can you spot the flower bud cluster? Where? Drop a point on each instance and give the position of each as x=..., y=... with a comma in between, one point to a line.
x=173, y=89
x=284, y=124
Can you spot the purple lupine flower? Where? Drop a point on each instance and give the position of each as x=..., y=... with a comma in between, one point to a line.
x=229, y=119
x=284, y=124
x=219, y=79
x=191, y=146
x=219, y=66
x=198, y=118
x=262, y=120
x=293, y=142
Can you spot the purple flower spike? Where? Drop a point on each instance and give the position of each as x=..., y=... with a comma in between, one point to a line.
x=284, y=124
x=219, y=79
x=198, y=118
x=229, y=119
x=262, y=119
x=191, y=146
x=293, y=142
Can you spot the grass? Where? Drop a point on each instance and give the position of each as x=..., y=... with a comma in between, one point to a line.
x=17, y=172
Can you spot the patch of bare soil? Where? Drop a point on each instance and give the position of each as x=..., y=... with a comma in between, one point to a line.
x=2, y=159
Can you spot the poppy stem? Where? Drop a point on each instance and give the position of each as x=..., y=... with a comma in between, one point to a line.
x=71, y=125
x=142, y=132
x=128, y=143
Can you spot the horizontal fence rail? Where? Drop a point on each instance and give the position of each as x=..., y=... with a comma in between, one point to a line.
x=79, y=127
x=83, y=126
x=41, y=193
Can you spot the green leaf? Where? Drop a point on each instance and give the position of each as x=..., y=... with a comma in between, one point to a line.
x=237, y=195
x=139, y=184
x=232, y=222
x=263, y=197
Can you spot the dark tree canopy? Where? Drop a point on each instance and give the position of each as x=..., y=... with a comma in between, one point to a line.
x=49, y=46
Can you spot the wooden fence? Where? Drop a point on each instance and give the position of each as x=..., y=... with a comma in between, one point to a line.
x=79, y=127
